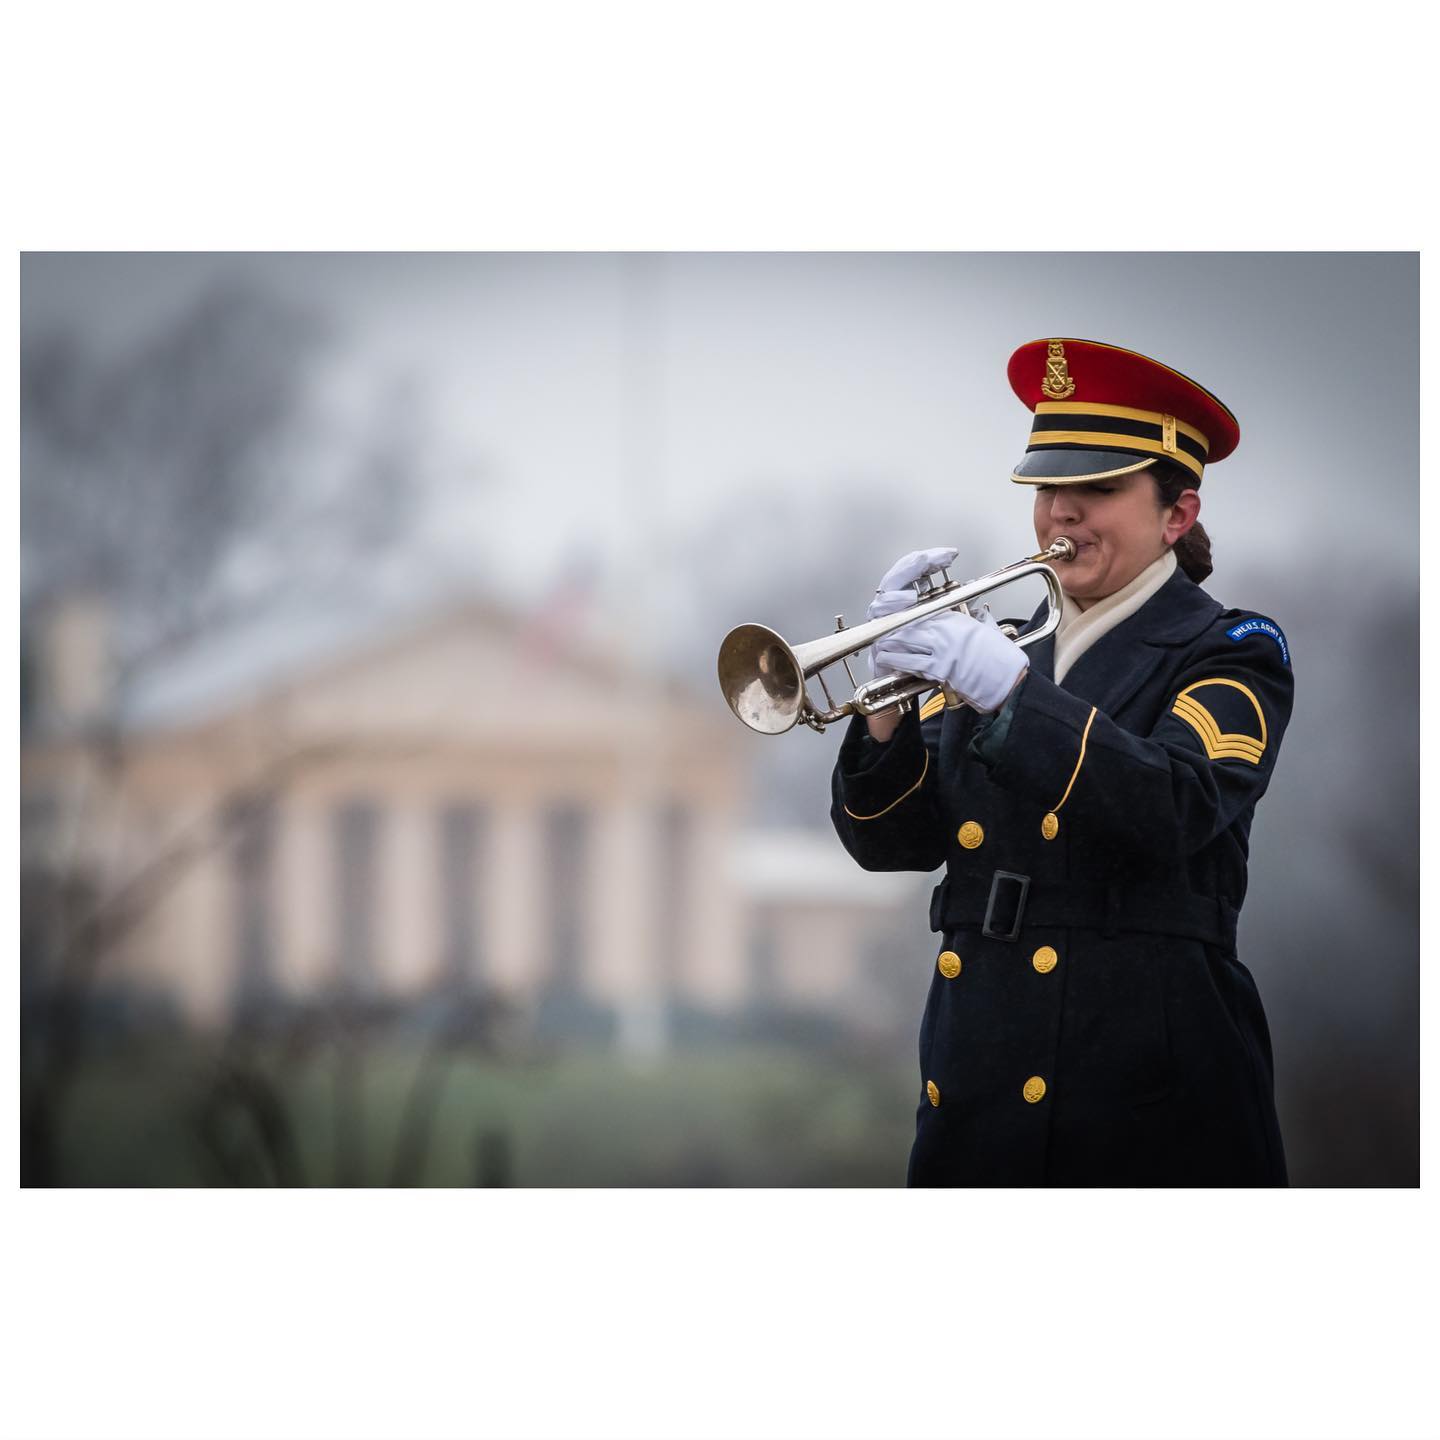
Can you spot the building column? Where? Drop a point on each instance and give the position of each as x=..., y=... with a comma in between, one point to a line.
x=514, y=900
x=305, y=897
x=625, y=972
x=199, y=939
x=407, y=940
x=715, y=969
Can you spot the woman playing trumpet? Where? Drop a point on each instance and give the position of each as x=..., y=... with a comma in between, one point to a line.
x=1088, y=1020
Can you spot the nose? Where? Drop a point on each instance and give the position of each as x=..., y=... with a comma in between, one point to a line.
x=1064, y=505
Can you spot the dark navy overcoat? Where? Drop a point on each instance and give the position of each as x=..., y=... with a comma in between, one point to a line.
x=1088, y=1021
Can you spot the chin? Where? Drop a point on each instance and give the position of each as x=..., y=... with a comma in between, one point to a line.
x=1082, y=584
x=1088, y=590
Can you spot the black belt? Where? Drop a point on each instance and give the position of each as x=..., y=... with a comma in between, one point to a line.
x=1014, y=902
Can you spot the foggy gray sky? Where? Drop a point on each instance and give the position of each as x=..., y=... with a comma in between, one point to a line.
x=811, y=373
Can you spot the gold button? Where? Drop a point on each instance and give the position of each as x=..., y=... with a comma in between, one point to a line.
x=949, y=963
x=1045, y=959
x=933, y=1091
x=1050, y=826
x=970, y=835
x=1033, y=1089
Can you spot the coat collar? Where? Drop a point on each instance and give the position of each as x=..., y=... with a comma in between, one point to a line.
x=1116, y=666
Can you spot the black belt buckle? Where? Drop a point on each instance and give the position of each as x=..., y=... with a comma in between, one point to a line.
x=1009, y=907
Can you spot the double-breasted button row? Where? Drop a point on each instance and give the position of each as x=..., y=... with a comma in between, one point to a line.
x=1045, y=959
x=1033, y=1090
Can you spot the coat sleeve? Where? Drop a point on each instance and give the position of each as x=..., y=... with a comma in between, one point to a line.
x=1165, y=795
x=886, y=798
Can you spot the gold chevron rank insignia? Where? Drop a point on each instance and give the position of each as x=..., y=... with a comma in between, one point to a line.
x=1226, y=716
x=933, y=706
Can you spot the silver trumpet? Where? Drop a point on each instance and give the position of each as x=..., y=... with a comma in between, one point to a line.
x=763, y=678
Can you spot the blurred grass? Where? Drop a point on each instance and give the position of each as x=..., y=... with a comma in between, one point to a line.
x=741, y=1116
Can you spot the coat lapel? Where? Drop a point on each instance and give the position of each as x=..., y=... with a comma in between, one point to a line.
x=1123, y=659
x=1042, y=654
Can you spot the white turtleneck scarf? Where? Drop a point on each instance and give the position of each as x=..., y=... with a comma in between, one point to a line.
x=1080, y=629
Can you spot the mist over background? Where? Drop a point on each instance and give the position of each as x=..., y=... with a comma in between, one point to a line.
x=522, y=497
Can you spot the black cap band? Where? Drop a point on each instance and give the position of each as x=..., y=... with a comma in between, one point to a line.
x=1114, y=437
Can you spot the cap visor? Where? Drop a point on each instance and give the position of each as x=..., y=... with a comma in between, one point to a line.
x=1071, y=467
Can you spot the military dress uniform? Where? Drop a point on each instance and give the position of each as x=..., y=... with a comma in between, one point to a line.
x=1089, y=1021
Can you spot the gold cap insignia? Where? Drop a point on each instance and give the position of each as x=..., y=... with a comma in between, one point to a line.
x=1057, y=384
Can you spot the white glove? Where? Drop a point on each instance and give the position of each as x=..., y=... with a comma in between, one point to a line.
x=897, y=591
x=973, y=657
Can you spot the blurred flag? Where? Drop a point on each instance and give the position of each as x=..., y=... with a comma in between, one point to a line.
x=551, y=630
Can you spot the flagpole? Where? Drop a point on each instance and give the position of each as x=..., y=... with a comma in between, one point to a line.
x=643, y=574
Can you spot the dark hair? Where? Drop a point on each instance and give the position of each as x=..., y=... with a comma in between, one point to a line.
x=1192, y=549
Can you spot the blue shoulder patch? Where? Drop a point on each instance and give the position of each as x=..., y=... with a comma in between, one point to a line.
x=1257, y=625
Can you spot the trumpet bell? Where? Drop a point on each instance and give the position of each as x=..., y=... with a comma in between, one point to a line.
x=762, y=681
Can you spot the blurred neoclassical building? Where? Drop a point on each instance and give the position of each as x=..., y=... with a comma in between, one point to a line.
x=343, y=799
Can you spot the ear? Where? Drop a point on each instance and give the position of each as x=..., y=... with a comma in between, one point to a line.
x=1183, y=514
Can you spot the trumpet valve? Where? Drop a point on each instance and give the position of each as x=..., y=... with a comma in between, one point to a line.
x=845, y=659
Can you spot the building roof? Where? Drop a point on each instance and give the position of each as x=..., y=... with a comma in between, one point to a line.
x=280, y=643
x=295, y=639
